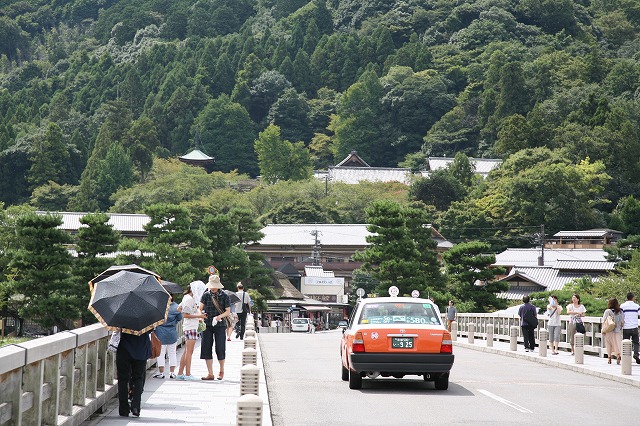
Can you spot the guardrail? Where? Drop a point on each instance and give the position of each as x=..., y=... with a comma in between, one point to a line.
x=60, y=379
x=56, y=380
x=593, y=339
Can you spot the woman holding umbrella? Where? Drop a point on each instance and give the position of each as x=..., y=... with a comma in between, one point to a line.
x=133, y=304
x=215, y=304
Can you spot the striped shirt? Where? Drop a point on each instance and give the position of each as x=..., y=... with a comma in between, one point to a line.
x=631, y=311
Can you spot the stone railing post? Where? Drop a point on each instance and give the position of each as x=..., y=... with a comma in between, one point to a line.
x=513, y=341
x=543, y=337
x=627, y=349
x=454, y=330
x=490, y=335
x=249, y=410
x=578, y=344
x=471, y=327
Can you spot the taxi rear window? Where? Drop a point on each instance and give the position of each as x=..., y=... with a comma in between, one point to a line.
x=399, y=313
x=300, y=321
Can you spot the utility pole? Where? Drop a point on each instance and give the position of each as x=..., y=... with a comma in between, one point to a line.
x=315, y=252
x=541, y=240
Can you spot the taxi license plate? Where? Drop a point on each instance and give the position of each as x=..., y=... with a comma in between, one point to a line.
x=402, y=342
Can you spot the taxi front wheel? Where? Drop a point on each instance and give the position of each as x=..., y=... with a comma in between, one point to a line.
x=355, y=380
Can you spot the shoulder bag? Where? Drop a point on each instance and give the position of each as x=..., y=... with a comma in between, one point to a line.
x=227, y=320
x=608, y=324
x=245, y=306
x=156, y=346
x=580, y=326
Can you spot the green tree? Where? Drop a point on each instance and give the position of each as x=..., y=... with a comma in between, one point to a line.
x=357, y=123
x=49, y=158
x=227, y=133
x=180, y=253
x=280, y=159
x=401, y=251
x=42, y=266
x=95, y=240
x=291, y=113
x=469, y=276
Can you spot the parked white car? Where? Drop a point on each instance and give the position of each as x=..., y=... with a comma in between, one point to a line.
x=301, y=324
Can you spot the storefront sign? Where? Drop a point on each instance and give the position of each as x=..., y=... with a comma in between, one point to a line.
x=327, y=298
x=324, y=281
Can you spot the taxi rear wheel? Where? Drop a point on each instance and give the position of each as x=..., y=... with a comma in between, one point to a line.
x=345, y=373
x=355, y=380
x=442, y=382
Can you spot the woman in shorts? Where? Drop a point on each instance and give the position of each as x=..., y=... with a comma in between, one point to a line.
x=191, y=317
x=553, y=311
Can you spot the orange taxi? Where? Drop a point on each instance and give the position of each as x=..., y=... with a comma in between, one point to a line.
x=396, y=337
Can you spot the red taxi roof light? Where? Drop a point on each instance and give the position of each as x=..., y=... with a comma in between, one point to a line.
x=358, y=343
x=447, y=345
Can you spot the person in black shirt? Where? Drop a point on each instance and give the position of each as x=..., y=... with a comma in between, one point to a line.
x=215, y=304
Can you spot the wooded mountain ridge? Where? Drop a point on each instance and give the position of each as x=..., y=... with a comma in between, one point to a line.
x=93, y=93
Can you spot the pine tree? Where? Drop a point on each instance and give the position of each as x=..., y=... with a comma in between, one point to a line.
x=50, y=158
x=43, y=272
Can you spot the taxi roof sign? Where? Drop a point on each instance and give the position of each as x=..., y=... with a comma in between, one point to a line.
x=415, y=293
x=393, y=291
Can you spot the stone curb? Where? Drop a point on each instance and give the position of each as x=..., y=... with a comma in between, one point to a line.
x=627, y=380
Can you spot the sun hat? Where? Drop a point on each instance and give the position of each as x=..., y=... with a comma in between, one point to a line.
x=214, y=282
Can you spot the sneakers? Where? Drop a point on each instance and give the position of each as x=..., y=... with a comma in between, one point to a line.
x=158, y=375
x=181, y=377
x=191, y=378
x=172, y=375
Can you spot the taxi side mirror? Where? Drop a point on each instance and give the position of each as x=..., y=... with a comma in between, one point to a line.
x=343, y=325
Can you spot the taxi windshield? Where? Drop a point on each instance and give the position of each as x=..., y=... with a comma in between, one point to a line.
x=399, y=313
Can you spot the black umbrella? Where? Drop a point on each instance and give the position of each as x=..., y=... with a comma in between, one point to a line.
x=134, y=302
x=233, y=298
x=112, y=270
x=172, y=288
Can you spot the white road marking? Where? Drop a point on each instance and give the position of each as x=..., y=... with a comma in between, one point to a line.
x=504, y=401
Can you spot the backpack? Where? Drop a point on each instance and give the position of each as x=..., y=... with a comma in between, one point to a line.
x=530, y=319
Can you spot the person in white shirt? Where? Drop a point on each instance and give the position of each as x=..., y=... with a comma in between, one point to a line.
x=576, y=311
x=243, y=308
x=553, y=311
x=630, y=329
x=191, y=317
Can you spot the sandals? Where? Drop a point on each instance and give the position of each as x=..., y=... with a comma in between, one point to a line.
x=221, y=375
x=208, y=377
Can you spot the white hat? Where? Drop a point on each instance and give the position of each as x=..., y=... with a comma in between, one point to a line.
x=214, y=282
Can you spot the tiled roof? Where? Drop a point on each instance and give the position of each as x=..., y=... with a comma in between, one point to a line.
x=300, y=234
x=196, y=155
x=529, y=256
x=585, y=265
x=548, y=278
x=354, y=175
x=317, y=271
x=482, y=165
x=121, y=222
x=589, y=233
x=328, y=235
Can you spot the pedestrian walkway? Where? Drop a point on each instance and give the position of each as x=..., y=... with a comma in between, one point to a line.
x=593, y=365
x=170, y=401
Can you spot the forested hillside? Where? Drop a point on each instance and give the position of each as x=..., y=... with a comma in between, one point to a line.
x=92, y=92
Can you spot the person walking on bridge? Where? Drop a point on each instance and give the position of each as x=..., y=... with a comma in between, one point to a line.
x=630, y=329
x=243, y=308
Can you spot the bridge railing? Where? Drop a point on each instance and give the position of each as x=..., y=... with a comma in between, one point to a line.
x=593, y=339
x=60, y=379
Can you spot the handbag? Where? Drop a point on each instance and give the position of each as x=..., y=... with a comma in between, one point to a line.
x=156, y=346
x=608, y=324
x=580, y=326
x=201, y=326
x=227, y=320
x=114, y=342
x=245, y=306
